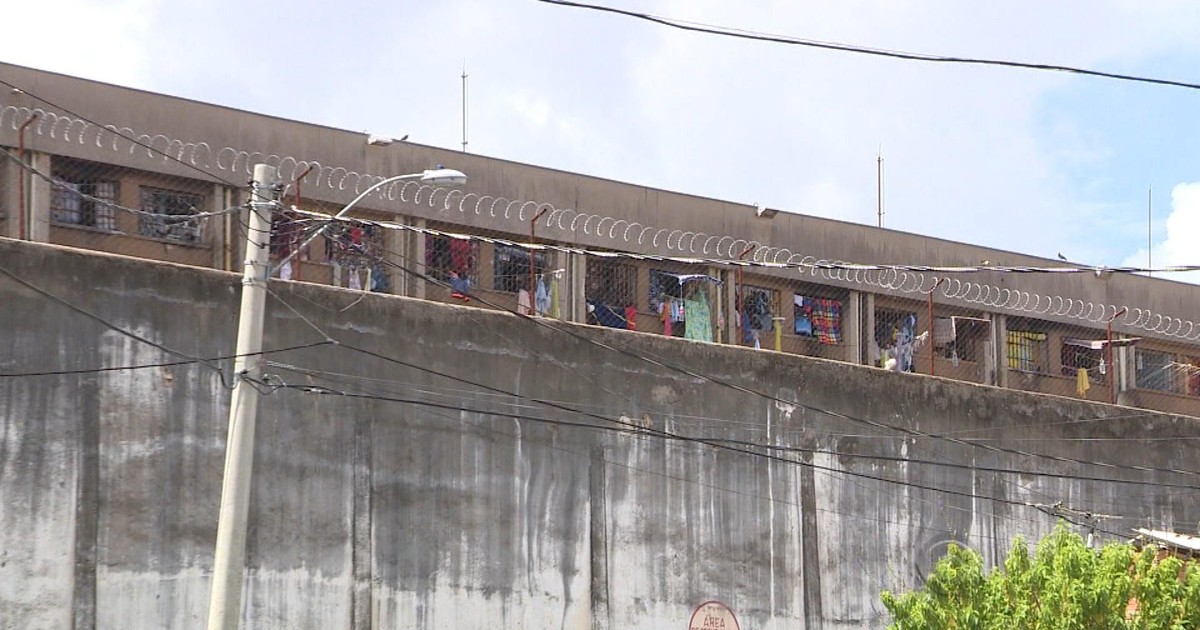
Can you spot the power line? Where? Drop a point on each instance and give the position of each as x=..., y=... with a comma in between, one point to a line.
x=626, y=426
x=623, y=427
x=810, y=263
x=108, y=203
x=659, y=362
x=786, y=449
x=161, y=364
x=744, y=493
x=939, y=505
x=210, y=363
x=863, y=50
x=117, y=132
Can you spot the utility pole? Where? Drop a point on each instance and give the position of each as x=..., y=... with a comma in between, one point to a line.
x=229, y=558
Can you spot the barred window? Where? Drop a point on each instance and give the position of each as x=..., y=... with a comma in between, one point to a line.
x=896, y=335
x=759, y=306
x=358, y=249
x=1189, y=367
x=1076, y=357
x=176, y=207
x=1154, y=370
x=610, y=282
x=444, y=254
x=1027, y=351
x=510, y=267
x=85, y=202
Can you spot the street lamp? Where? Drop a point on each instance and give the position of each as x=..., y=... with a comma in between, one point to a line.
x=438, y=177
x=229, y=556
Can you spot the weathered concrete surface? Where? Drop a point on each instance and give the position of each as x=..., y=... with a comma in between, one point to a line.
x=467, y=513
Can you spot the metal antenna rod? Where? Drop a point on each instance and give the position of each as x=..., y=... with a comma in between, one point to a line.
x=1150, y=229
x=879, y=183
x=464, y=106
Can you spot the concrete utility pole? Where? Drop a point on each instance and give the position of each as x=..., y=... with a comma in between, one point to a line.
x=229, y=559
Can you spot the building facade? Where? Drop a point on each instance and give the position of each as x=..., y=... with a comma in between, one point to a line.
x=108, y=168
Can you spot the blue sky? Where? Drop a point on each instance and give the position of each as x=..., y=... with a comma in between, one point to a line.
x=1040, y=163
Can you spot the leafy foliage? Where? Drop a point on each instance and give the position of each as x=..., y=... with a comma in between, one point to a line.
x=1064, y=585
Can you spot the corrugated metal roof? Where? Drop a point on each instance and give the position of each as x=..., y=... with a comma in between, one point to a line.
x=1179, y=541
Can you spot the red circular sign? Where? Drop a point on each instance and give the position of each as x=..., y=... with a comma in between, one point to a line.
x=713, y=615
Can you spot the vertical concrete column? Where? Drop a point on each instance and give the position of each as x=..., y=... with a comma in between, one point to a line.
x=214, y=232
x=577, y=283
x=852, y=332
x=716, y=295
x=598, y=538
x=361, y=552
x=1000, y=328
x=990, y=362
x=558, y=274
x=872, y=350
x=395, y=255
x=9, y=172
x=38, y=190
x=730, y=306
x=416, y=262
x=1124, y=371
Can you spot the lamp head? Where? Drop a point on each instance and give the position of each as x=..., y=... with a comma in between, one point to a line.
x=444, y=177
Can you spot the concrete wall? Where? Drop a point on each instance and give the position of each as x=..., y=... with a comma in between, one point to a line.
x=373, y=513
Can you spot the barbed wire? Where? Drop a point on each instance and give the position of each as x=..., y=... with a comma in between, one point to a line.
x=60, y=184
x=903, y=279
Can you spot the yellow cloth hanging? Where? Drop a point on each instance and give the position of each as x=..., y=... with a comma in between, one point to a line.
x=1082, y=384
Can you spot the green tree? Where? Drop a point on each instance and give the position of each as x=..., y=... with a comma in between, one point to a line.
x=1064, y=585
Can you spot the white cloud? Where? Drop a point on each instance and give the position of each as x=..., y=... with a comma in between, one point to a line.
x=96, y=40
x=971, y=155
x=1182, y=227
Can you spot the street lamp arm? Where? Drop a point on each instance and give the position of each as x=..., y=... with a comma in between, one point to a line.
x=438, y=176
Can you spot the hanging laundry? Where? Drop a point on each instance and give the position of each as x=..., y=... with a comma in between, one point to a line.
x=664, y=313
x=758, y=307
x=607, y=316
x=827, y=321
x=285, y=271
x=524, y=306
x=381, y=282
x=541, y=297
x=697, y=318
x=905, y=338
x=802, y=313
x=1082, y=383
x=678, y=312
x=460, y=287
x=631, y=317
x=354, y=282
x=460, y=255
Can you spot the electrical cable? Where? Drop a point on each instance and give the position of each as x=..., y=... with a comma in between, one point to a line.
x=210, y=363
x=555, y=325
x=539, y=321
x=630, y=427
x=161, y=364
x=859, y=517
x=802, y=450
x=805, y=264
x=862, y=50
x=117, y=132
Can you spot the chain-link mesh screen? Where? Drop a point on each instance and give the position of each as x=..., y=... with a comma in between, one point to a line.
x=719, y=289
